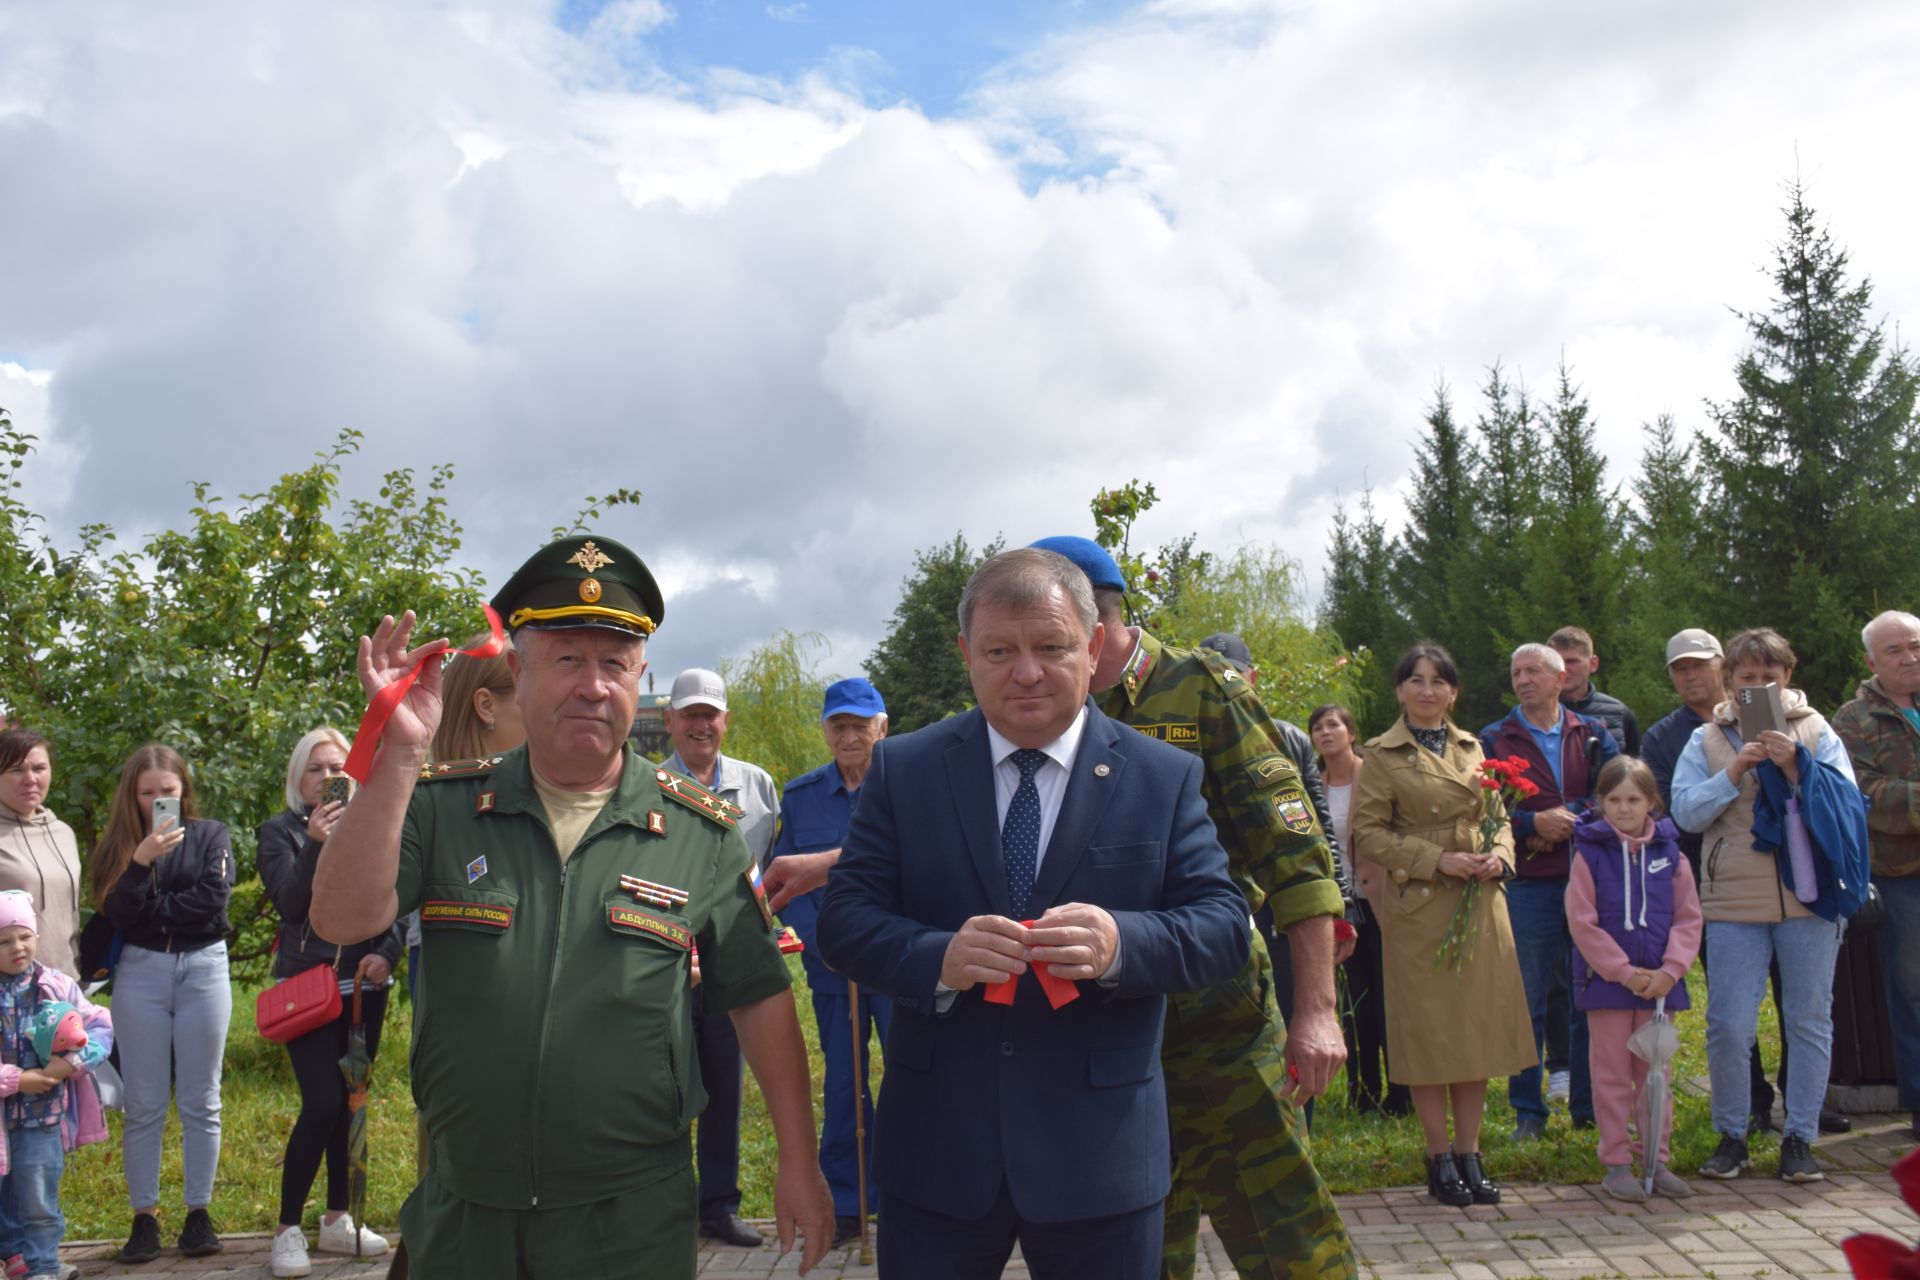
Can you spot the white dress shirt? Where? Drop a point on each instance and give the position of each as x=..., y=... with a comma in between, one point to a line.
x=1050, y=779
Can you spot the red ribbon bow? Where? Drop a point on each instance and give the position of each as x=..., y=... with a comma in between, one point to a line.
x=1059, y=991
x=380, y=710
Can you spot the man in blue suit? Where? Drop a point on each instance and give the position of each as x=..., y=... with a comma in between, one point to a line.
x=1026, y=1122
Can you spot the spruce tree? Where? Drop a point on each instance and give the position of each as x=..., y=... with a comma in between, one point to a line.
x=1432, y=554
x=1489, y=589
x=1358, y=606
x=1671, y=579
x=1576, y=551
x=1816, y=464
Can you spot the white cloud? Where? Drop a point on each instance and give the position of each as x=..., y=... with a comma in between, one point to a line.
x=1229, y=247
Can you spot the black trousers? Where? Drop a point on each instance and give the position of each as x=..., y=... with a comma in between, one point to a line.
x=717, y=1150
x=320, y=1130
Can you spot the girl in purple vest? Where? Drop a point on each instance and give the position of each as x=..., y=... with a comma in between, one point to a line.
x=1635, y=917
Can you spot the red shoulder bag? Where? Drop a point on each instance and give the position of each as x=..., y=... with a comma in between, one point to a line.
x=294, y=1006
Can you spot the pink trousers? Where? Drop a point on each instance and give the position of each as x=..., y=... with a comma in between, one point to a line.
x=1618, y=1078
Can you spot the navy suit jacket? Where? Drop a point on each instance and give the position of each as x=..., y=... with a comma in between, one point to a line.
x=1067, y=1106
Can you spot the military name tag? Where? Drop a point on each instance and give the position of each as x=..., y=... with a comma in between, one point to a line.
x=666, y=930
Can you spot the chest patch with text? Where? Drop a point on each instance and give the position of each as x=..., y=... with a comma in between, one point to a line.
x=1179, y=735
x=481, y=913
x=667, y=930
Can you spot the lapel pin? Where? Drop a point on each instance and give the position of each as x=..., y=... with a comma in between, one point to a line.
x=1101, y=770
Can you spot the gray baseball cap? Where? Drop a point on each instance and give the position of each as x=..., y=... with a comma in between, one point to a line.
x=697, y=686
x=1691, y=643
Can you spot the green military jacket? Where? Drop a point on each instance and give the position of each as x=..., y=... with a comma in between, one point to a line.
x=553, y=1042
x=1195, y=700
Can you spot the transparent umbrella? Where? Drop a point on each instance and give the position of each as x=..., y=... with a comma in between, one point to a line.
x=1655, y=1044
x=357, y=1067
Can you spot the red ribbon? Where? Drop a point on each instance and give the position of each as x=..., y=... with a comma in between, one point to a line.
x=380, y=710
x=1059, y=991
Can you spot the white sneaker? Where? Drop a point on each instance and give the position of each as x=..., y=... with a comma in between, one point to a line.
x=337, y=1237
x=1559, y=1085
x=290, y=1253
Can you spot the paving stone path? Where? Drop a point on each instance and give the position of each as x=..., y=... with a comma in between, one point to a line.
x=1754, y=1228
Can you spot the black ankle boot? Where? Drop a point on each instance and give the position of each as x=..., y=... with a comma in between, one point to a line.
x=1443, y=1181
x=1484, y=1189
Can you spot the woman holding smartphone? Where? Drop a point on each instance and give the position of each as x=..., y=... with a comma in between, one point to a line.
x=162, y=876
x=290, y=846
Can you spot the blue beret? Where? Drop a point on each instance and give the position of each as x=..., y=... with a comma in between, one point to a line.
x=1090, y=556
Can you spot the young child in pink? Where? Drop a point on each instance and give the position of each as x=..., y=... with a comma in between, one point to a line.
x=1634, y=913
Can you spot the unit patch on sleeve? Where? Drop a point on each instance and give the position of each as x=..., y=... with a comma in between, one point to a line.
x=481, y=913
x=1293, y=811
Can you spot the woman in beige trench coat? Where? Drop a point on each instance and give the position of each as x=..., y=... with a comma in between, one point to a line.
x=1417, y=814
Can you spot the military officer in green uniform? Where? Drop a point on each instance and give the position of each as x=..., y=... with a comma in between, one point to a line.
x=563, y=889
x=1234, y=1071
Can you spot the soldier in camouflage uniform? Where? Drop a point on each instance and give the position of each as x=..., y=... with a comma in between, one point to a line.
x=1239, y=1151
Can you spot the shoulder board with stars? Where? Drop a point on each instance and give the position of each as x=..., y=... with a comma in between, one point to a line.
x=443, y=770
x=697, y=798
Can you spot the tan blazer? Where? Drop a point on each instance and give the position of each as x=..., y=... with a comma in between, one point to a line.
x=1410, y=807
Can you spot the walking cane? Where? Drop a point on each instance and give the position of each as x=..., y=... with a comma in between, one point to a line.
x=859, y=1122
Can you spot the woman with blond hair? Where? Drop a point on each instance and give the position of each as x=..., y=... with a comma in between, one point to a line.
x=164, y=887
x=290, y=846
x=480, y=716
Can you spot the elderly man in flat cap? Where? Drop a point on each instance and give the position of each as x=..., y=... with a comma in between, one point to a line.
x=562, y=889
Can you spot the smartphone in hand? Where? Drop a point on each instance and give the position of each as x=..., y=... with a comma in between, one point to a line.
x=166, y=812
x=337, y=789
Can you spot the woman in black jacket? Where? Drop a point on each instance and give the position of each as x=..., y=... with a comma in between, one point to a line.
x=290, y=845
x=165, y=892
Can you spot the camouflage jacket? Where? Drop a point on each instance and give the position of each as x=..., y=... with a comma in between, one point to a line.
x=1886, y=762
x=1194, y=700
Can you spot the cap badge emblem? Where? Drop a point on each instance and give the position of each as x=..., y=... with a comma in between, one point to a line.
x=589, y=557
x=589, y=589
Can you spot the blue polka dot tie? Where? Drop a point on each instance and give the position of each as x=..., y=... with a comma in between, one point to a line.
x=1020, y=833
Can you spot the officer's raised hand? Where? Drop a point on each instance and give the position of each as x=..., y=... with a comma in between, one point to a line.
x=384, y=660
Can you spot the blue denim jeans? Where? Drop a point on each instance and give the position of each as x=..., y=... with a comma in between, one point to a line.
x=1538, y=912
x=1900, y=959
x=30, y=1219
x=170, y=1015
x=1807, y=948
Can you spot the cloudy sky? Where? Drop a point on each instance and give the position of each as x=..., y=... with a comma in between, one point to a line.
x=831, y=280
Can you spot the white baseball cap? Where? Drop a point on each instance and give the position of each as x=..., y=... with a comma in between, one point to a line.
x=697, y=686
x=1692, y=643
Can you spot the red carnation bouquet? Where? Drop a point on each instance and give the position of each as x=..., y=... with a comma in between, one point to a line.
x=1506, y=785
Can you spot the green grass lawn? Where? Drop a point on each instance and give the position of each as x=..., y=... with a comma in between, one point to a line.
x=1353, y=1151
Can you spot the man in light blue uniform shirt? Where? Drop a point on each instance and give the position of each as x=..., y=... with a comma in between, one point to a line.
x=697, y=725
x=814, y=815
